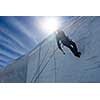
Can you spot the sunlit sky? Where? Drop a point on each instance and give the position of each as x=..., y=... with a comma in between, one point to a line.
x=19, y=35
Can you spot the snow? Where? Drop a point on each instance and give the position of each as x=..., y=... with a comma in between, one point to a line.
x=46, y=63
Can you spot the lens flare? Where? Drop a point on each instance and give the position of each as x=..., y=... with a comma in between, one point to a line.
x=49, y=24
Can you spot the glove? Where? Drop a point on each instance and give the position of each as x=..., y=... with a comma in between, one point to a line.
x=64, y=53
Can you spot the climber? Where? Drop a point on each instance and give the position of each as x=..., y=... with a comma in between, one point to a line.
x=65, y=41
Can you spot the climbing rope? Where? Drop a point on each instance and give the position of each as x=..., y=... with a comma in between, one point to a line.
x=54, y=63
x=45, y=65
x=41, y=63
x=38, y=73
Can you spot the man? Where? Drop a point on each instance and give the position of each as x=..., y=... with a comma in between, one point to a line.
x=63, y=39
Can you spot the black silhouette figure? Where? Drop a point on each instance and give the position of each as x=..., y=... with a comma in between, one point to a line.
x=63, y=39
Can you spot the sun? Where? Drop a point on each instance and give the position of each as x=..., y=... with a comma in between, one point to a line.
x=49, y=24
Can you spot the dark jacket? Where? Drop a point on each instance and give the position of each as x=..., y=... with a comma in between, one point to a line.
x=61, y=37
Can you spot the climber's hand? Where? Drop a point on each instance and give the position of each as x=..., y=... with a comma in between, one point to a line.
x=63, y=52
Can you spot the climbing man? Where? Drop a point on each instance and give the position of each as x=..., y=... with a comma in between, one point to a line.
x=65, y=41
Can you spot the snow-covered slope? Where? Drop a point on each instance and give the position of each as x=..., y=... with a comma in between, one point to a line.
x=15, y=72
x=46, y=63
x=55, y=67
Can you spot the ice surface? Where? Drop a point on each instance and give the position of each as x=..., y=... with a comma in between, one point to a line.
x=47, y=64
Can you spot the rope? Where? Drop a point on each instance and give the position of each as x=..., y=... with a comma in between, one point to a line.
x=41, y=63
x=45, y=66
x=53, y=55
x=55, y=66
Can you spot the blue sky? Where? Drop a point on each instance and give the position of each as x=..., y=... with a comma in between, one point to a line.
x=19, y=35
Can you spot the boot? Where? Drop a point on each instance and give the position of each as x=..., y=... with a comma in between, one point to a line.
x=78, y=54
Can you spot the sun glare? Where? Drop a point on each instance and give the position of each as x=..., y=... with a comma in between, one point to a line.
x=49, y=24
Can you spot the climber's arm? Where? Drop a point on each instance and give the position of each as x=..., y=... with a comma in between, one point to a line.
x=59, y=46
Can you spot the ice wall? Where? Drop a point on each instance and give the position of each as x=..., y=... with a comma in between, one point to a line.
x=15, y=72
x=46, y=63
